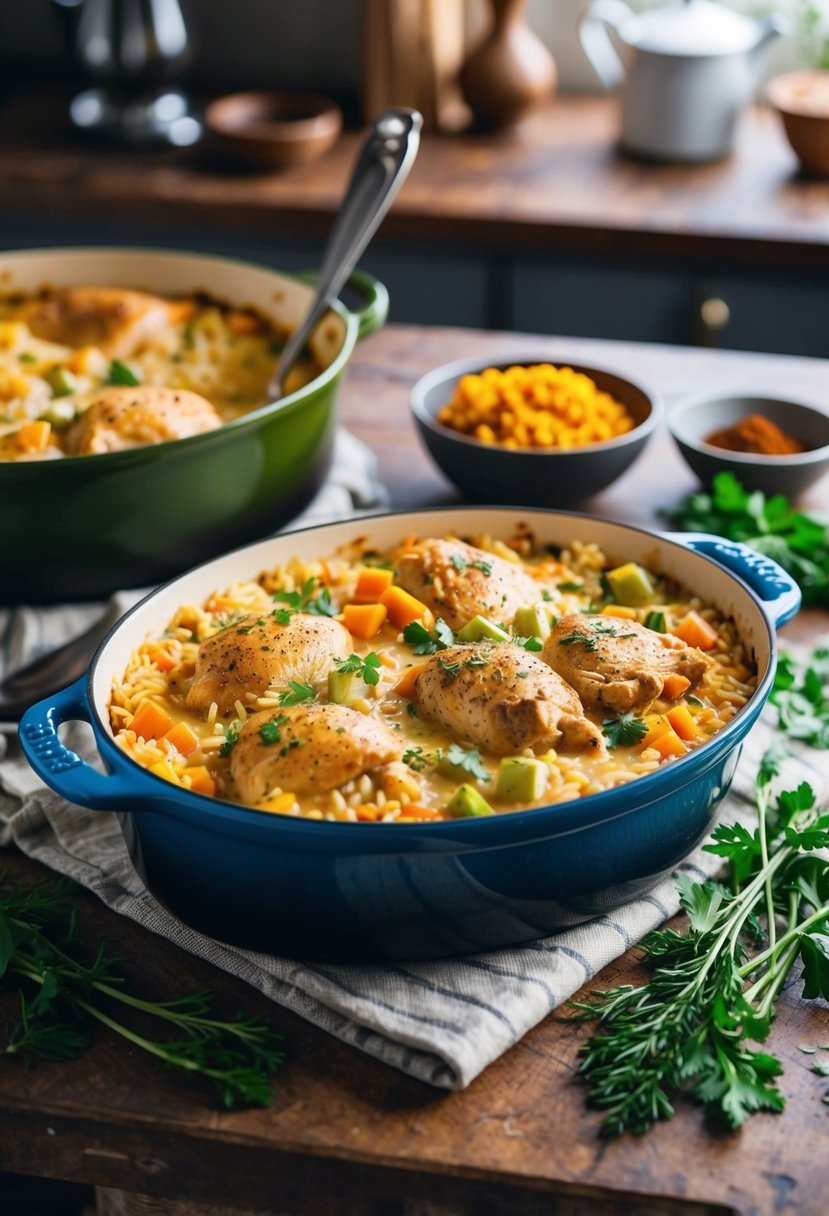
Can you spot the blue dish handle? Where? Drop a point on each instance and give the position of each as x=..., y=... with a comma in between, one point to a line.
x=777, y=591
x=125, y=787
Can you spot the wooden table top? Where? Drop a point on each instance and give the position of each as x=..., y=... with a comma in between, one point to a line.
x=349, y=1136
x=556, y=182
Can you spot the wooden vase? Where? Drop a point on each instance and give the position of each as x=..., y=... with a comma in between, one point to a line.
x=510, y=71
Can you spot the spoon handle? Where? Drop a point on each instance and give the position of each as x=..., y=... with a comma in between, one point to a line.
x=381, y=168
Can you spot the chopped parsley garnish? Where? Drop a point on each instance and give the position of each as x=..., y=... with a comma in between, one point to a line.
x=270, y=732
x=367, y=668
x=589, y=643
x=297, y=693
x=26, y=357
x=477, y=660
x=460, y=563
x=290, y=745
x=451, y=669
x=224, y=622
x=122, y=375
x=467, y=758
x=417, y=759
x=570, y=586
x=423, y=642
x=694, y=701
x=303, y=601
x=530, y=643
x=545, y=595
x=232, y=732
x=624, y=731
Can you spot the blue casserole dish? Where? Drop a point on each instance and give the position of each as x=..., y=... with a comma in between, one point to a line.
x=358, y=891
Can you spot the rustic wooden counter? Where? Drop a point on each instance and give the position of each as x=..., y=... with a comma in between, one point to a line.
x=347, y=1136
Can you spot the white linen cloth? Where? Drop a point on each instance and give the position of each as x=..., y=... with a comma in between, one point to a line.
x=442, y=1022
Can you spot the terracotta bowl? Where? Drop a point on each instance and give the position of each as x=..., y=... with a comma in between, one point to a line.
x=272, y=128
x=802, y=101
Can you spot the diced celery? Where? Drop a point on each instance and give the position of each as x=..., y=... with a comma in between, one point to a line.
x=631, y=585
x=61, y=381
x=532, y=622
x=521, y=779
x=656, y=621
x=480, y=629
x=341, y=687
x=59, y=414
x=467, y=803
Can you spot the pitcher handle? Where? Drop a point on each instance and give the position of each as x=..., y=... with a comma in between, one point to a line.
x=596, y=41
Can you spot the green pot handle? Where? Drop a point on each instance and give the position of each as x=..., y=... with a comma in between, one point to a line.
x=374, y=312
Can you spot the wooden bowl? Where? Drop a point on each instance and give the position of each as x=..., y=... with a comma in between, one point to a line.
x=802, y=101
x=272, y=128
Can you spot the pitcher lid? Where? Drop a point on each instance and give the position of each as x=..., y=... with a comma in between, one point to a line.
x=697, y=27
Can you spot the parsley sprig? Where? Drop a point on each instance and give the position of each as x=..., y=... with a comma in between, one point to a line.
x=423, y=642
x=624, y=731
x=469, y=759
x=297, y=692
x=303, y=600
x=797, y=540
x=801, y=702
x=61, y=995
x=368, y=668
x=712, y=989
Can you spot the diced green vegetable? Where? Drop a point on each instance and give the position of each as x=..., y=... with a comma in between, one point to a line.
x=121, y=374
x=631, y=585
x=656, y=622
x=521, y=779
x=467, y=803
x=480, y=629
x=341, y=687
x=61, y=381
x=533, y=621
x=59, y=414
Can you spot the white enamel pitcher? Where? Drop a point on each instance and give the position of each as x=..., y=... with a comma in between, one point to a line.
x=685, y=72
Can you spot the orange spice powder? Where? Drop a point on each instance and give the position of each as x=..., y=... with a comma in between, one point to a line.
x=757, y=435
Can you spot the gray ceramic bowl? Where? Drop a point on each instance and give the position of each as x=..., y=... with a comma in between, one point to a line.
x=529, y=477
x=693, y=418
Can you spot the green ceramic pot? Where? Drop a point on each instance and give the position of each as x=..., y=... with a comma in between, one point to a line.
x=84, y=526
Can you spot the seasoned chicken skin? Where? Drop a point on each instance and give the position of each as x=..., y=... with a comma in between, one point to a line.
x=257, y=653
x=113, y=319
x=120, y=418
x=308, y=750
x=458, y=581
x=503, y=699
x=620, y=665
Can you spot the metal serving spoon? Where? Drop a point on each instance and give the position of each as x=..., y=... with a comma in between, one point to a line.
x=382, y=166
x=381, y=169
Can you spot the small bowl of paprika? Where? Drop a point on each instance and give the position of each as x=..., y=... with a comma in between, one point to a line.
x=771, y=444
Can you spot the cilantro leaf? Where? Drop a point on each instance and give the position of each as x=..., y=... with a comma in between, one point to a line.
x=232, y=733
x=367, y=668
x=624, y=731
x=297, y=693
x=270, y=732
x=423, y=642
x=469, y=759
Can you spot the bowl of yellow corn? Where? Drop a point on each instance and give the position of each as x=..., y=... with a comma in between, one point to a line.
x=530, y=432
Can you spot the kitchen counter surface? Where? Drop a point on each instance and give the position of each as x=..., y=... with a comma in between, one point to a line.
x=555, y=184
x=348, y=1136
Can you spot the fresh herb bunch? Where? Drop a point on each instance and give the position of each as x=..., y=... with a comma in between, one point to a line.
x=797, y=540
x=714, y=988
x=60, y=995
x=801, y=703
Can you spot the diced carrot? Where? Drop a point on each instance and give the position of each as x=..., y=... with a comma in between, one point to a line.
x=682, y=720
x=242, y=323
x=627, y=614
x=695, y=631
x=364, y=620
x=280, y=804
x=405, y=686
x=163, y=768
x=402, y=607
x=201, y=781
x=675, y=686
x=161, y=658
x=669, y=744
x=150, y=721
x=34, y=436
x=412, y=812
x=368, y=813
x=182, y=738
x=657, y=725
x=371, y=584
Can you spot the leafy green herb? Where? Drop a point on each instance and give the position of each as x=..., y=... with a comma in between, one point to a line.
x=797, y=540
x=460, y=563
x=451, y=669
x=570, y=586
x=60, y=995
x=122, y=375
x=477, y=660
x=188, y=336
x=417, y=759
x=232, y=732
x=467, y=758
x=290, y=745
x=624, y=731
x=303, y=601
x=530, y=643
x=545, y=595
x=588, y=641
x=579, y=639
x=270, y=731
x=297, y=693
x=801, y=701
x=423, y=642
x=368, y=668
x=714, y=988
x=26, y=356
x=656, y=621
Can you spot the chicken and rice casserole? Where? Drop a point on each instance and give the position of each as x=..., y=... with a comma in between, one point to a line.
x=447, y=678
x=88, y=370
